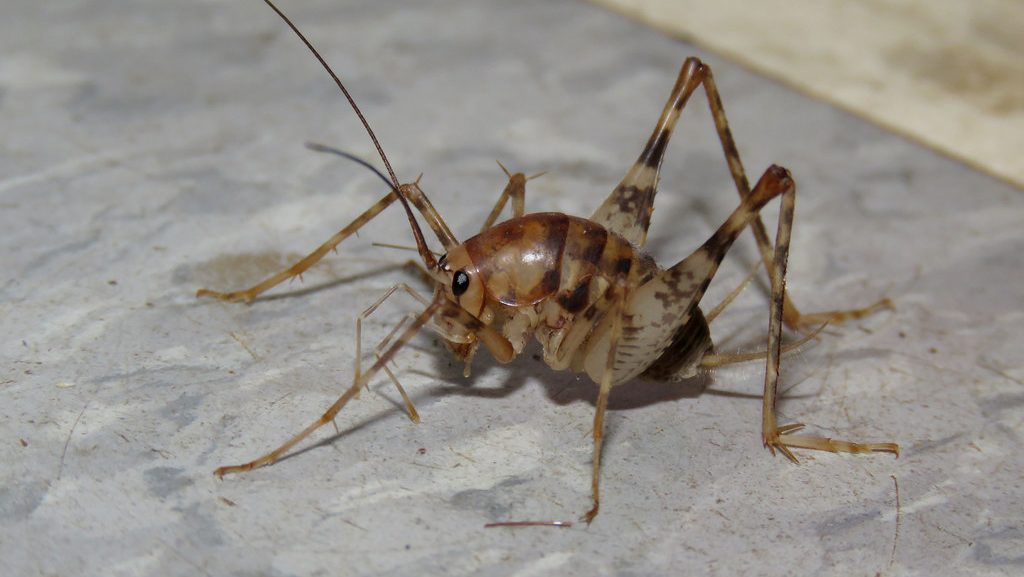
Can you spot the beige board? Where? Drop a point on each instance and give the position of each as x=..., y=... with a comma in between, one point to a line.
x=947, y=73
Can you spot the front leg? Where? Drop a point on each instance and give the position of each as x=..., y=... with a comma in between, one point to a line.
x=305, y=262
x=343, y=400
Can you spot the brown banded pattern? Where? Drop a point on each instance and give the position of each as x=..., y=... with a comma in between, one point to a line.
x=583, y=288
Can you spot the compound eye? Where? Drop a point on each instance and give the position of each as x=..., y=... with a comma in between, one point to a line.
x=460, y=283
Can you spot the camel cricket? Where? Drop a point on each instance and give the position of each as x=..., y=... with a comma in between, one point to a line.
x=583, y=287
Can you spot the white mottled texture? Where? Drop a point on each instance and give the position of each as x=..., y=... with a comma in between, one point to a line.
x=150, y=148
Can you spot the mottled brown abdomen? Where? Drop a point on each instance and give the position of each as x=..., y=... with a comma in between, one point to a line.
x=520, y=259
x=552, y=255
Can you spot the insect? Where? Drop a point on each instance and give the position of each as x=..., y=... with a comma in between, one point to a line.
x=583, y=287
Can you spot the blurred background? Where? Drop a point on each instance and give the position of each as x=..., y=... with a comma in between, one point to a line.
x=945, y=73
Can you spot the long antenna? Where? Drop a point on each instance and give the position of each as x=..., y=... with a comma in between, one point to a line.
x=316, y=147
x=351, y=101
x=421, y=244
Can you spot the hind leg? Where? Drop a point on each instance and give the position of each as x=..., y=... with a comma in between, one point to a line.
x=791, y=316
x=627, y=210
x=774, y=436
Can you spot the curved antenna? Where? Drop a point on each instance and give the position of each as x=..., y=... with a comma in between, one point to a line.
x=421, y=244
x=331, y=150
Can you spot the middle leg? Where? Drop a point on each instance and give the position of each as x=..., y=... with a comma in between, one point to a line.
x=606, y=383
x=514, y=190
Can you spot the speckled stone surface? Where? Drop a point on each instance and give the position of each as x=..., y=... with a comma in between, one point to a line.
x=151, y=148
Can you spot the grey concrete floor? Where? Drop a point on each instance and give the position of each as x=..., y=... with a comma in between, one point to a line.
x=151, y=148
